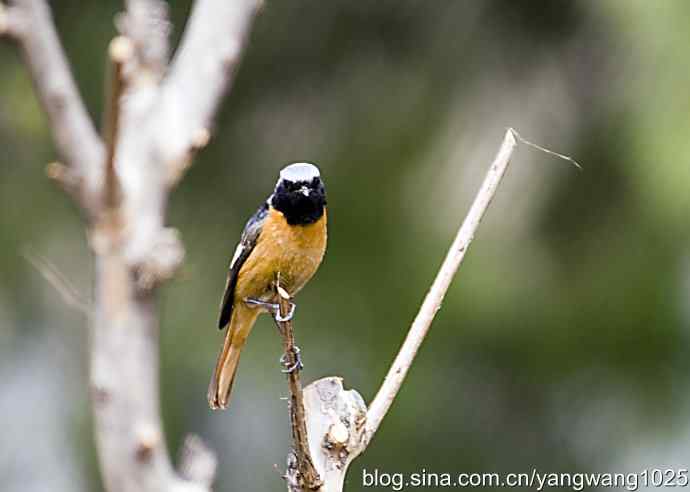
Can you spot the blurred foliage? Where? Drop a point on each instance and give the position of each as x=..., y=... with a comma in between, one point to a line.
x=563, y=343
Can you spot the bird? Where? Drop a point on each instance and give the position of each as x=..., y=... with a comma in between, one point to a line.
x=286, y=239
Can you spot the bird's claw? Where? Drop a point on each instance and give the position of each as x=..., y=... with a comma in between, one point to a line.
x=290, y=368
x=281, y=319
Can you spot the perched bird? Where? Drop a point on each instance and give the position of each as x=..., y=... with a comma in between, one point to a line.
x=285, y=238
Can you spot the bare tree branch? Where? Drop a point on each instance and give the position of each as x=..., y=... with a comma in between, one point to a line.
x=434, y=298
x=146, y=23
x=137, y=252
x=129, y=180
x=202, y=70
x=29, y=23
x=301, y=474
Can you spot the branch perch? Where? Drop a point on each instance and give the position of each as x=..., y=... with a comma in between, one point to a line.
x=301, y=474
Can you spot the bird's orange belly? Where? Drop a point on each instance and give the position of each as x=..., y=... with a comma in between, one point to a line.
x=292, y=252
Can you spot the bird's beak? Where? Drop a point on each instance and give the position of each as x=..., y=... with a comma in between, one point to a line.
x=305, y=191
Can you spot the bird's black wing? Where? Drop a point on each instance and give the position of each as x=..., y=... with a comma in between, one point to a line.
x=247, y=242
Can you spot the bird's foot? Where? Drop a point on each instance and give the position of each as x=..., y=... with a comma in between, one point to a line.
x=268, y=306
x=290, y=368
x=272, y=308
x=281, y=319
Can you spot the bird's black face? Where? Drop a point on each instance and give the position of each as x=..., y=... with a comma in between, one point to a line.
x=301, y=201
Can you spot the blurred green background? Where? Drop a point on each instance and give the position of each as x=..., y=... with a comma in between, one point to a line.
x=563, y=342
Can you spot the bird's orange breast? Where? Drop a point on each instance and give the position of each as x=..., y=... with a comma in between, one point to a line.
x=292, y=251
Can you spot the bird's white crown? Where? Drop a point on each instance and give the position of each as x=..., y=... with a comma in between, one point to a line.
x=299, y=171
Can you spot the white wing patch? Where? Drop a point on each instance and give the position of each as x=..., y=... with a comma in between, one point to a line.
x=238, y=251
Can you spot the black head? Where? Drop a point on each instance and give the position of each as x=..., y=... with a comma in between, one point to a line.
x=300, y=194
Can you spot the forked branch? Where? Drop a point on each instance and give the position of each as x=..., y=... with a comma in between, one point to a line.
x=129, y=174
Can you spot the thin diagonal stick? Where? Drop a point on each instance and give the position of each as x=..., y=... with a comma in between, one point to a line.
x=432, y=302
x=70, y=295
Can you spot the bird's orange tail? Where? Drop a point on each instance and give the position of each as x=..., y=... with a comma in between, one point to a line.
x=240, y=325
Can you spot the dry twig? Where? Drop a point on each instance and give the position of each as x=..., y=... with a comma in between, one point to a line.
x=120, y=52
x=301, y=474
x=69, y=293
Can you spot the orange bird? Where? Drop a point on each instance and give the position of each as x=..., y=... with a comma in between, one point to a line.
x=286, y=237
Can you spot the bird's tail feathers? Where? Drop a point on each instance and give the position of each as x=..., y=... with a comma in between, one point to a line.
x=242, y=320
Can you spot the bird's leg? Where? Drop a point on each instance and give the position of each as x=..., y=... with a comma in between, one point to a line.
x=289, y=369
x=272, y=308
x=268, y=306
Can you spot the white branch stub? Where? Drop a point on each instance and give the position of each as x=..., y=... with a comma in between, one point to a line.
x=335, y=420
